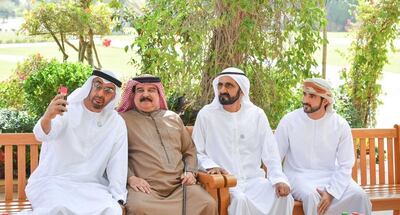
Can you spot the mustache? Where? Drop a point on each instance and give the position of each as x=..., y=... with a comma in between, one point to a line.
x=306, y=104
x=99, y=97
x=224, y=94
x=144, y=98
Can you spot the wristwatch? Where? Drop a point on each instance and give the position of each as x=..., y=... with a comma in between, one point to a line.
x=121, y=202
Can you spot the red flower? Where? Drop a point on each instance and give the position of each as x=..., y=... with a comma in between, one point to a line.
x=106, y=42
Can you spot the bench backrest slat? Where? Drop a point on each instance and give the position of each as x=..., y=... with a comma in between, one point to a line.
x=34, y=150
x=363, y=162
x=8, y=176
x=372, y=163
x=397, y=155
x=21, y=171
x=354, y=173
x=390, y=160
x=381, y=159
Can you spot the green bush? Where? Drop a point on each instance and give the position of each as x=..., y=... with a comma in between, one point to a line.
x=344, y=107
x=13, y=121
x=41, y=87
x=11, y=90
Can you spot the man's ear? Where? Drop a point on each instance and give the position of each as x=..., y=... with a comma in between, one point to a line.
x=325, y=102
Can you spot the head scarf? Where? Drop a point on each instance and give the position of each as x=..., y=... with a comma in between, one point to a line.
x=128, y=103
x=320, y=87
x=107, y=76
x=240, y=78
x=78, y=95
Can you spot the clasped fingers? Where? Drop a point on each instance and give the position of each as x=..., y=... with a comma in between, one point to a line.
x=282, y=189
x=188, y=178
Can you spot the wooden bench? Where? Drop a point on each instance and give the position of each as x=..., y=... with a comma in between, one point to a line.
x=20, y=143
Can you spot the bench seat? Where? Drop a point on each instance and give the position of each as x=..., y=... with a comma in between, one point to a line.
x=14, y=206
x=384, y=197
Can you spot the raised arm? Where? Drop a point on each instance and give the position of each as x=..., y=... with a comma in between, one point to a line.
x=44, y=128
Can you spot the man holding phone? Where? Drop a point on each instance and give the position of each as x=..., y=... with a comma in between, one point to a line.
x=83, y=160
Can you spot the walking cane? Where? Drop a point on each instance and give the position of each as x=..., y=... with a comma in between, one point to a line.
x=184, y=191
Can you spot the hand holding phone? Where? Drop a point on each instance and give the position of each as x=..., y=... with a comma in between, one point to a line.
x=64, y=91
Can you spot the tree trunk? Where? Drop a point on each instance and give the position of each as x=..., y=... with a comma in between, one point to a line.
x=89, y=48
x=223, y=50
x=325, y=42
x=82, y=48
x=95, y=53
x=62, y=48
x=324, y=51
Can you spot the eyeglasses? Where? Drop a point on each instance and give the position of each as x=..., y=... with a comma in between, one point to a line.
x=98, y=86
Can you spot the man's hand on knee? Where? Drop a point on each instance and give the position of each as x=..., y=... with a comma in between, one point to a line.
x=282, y=189
x=217, y=170
x=139, y=184
x=326, y=200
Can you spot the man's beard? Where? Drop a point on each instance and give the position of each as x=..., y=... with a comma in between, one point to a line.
x=311, y=109
x=97, y=105
x=226, y=99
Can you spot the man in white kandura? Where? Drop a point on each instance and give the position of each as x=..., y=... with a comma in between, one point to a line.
x=233, y=136
x=83, y=160
x=317, y=147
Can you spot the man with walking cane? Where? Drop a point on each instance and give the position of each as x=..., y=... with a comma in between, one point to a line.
x=160, y=152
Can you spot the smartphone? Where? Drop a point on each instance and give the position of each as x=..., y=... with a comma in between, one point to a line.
x=63, y=90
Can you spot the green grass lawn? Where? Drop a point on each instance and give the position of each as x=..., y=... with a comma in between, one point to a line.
x=6, y=69
x=115, y=59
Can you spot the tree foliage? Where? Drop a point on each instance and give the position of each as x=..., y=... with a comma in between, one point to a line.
x=79, y=19
x=188, y=42
x=369, y=53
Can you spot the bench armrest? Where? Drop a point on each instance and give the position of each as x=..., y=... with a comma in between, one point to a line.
x=218, y=187
x=216, y=181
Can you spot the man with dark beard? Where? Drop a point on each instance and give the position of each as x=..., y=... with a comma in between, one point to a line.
x=161, y=155
x=233, y=136
x=317, y=147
